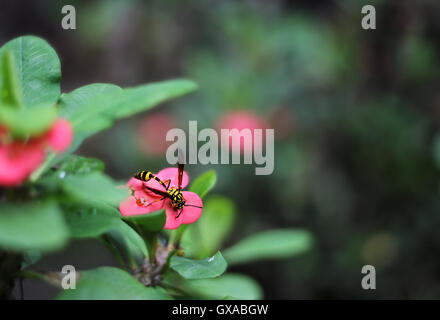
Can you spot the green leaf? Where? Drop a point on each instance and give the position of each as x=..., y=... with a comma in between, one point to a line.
x=72, y=104
x=268, y=245
x=32, y=121
x=32, y=227
x=10, y=90
x=72, y=165
x=129, y=240
x=203, y=183
x=91, y=221
x=95, y=107
x=229, y=285
x=151, y=222
x=92, y=188
x=30, y=257
x=206, y=236
x=38, y=70
x=199, y=269
x=108, y=283
x=80, y=165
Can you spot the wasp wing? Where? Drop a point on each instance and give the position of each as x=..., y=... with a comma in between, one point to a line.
x=159, y=192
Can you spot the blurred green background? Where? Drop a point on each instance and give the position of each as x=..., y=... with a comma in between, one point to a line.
x=356, y=114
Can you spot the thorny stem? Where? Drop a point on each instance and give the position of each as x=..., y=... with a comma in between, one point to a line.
x=50, y=277
x=107, y=242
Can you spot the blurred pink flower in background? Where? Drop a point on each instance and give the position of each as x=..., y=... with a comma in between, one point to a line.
x=18, y=159
x=243, y=119
x=152, y=131
x=143, y=201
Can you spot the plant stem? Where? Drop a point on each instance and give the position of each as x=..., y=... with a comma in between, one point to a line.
x=37, y=173
x=107, y=242
x=176, y=237
x=152, y=247
x=51, y=279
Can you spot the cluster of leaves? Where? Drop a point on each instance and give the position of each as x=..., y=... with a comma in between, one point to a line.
x=69, y=197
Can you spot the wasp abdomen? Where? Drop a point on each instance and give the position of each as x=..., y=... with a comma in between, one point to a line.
x=147, y=175
x=143, y=175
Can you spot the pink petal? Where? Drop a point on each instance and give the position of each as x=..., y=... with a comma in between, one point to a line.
x=18, y=160
x=60, y=136
x=188, y=215
x=135, y=184
x=130, y=207
x=172, y=222
x=172, y=173
x=191, y=214
x=153, y=200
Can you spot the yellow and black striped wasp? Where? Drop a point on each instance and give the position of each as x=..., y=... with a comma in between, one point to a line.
x=174, y=194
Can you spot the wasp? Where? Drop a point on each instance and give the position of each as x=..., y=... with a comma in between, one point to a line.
x=178, y=202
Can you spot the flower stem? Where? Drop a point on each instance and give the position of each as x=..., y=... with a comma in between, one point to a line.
x=37, y=173
x=176, y=237
x=50, y=278
x=107, y=242
x=152, y=247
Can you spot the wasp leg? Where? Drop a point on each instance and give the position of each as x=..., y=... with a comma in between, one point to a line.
x=167, y=182
x=179, y=213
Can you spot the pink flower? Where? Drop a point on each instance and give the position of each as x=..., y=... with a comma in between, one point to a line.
x=240, y=120
x=152, y=132
x=143, y=201
x=60, y=136
x=18, y=159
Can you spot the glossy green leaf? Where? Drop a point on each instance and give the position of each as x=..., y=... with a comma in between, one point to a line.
x=32, y=227
x=28, y=121
x=152, y=222
x=93, y=187
x=38, y=69
x=205, y=237
x=269, y=245
x=30, y=257
x=72, y=165
x=229, y=285
x=199, y=269
x=95, y=107
x=129, y=240
x=91, y=221
x=72, y=104
x=108, y=283
x=10, y=90
x=205, y=182
x=80, y=165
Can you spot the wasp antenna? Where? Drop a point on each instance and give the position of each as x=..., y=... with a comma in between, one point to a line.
x=190, y=205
